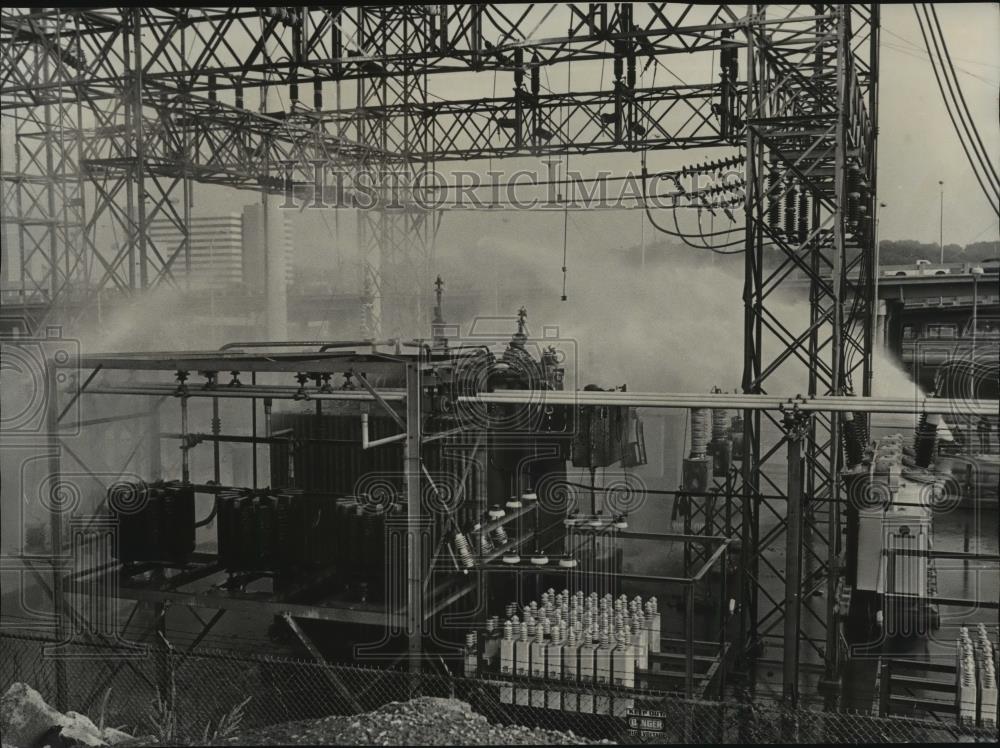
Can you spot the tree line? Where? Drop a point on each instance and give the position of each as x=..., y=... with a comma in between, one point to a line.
x=908, y=251
x=891, y=252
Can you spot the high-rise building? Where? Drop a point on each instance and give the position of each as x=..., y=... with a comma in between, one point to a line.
x=255, y=248
x=216, y=249
x=227, y=250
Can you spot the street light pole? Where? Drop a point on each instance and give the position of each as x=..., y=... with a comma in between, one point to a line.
x=878, y=337
x=941, y=220
x=976, y=272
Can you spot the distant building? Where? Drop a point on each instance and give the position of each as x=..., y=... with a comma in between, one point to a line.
x=216, y=246
x=254, y=248
x=226, y=251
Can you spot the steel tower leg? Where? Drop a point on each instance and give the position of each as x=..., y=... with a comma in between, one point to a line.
x=793, y=558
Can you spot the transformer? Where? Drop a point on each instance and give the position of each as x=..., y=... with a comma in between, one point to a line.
x=889, y=531
x=294, y=530
x=156, y=521
x=492, y=489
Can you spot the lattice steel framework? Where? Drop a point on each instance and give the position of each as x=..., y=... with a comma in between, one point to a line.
x=810, y=139
x=151, y=101
x=397, y=239
x=42, y=209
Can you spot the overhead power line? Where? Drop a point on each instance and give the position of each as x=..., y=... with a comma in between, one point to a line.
x=991, y=171
x=955, y=104
x=919, y=48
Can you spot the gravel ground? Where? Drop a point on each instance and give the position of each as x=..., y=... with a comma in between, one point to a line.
x=423, y=721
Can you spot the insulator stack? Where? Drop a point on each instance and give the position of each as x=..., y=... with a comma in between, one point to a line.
x=803, y=206
x=926, y=439
x=791, y=208
x=500, y=536
x=966, y=696
x=701, y=431
x=720, y=424
x=572, y=645
x=462, y=550
x=853, y=193
x=865, y=228
x=485, y=546
x=725, y=77
x=773, y=204
x=862, y=421
x=853, y=444
x=986, y=677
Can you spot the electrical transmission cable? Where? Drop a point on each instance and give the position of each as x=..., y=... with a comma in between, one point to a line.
x=951, y=104
x=976, y=140
x=686, y=238
x=991, y=195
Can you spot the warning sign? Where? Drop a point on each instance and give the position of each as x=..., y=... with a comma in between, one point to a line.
x=644, y=722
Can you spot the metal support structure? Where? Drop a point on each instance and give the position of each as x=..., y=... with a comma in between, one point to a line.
x=56, y=528
x=818, y=70
x=121, y=111
x=330, y=675
x=396, y=239
x=161, y=102
x=793, y=557
x=413, y=464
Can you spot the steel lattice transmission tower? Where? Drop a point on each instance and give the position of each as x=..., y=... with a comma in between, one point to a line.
x=396, y=240
x=811, y=147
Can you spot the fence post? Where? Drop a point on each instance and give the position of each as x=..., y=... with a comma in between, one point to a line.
x=689, y=640
x=793, y=558
x=56, y=527
x=884, y=687
x=415, y=553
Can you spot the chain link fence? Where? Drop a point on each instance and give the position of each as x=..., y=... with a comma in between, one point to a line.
x=182, y=697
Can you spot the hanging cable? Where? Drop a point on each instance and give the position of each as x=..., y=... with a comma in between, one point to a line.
x=728, y=232
x=991, y=198
x=686, y=238
x=720, y=249
x=975, y=139
x=569, y=87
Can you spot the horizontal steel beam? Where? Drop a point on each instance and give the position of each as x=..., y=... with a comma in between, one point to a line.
x=217, y=49
x=739, y=402
x=197, y=361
